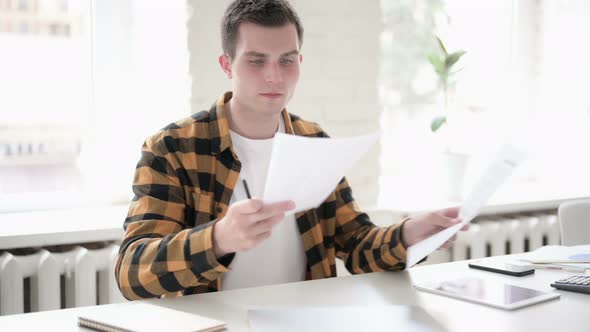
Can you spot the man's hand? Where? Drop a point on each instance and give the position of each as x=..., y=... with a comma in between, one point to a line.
x=247, y=224
x=419, y=228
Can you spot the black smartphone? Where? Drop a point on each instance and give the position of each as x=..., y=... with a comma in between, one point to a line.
x=511, y=269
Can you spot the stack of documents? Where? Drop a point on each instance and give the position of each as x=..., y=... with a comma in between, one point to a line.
x=573, y=259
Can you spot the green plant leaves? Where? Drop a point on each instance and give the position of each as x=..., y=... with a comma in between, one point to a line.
x=437, y=63
x=453, y=58
x=442, y=63
x=441, y=45
x=437, y=123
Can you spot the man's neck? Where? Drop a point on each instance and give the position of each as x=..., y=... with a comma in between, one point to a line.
x=250, y=124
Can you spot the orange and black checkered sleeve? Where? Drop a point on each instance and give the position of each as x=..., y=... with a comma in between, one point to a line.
x=160, y=253
x=363, y=246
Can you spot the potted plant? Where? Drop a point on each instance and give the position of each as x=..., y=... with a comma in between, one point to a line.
x=444, y=64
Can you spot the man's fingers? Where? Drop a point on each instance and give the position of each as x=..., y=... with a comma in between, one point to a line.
x=446, y=245
x=449, y=242
x=267, y=224
x=441, y=221
x=251, y=220
x=452, y=212
x=248, y=206
x=262, y=236
x=270, y=210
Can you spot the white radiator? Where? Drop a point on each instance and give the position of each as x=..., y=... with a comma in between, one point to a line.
x=502, y=235
x=80, y=277
x=487, y=236
x=83, y=277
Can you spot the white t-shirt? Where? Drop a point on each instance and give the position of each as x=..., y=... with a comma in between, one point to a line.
x=281, y=257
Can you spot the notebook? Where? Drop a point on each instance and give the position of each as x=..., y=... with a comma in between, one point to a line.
x=143, y=317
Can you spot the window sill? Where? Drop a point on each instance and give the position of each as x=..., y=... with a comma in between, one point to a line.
x=511, y=198
x=66, y=226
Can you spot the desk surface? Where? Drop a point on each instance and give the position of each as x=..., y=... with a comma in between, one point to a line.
x=570, y=312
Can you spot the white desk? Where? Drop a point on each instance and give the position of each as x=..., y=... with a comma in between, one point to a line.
x=569, y=313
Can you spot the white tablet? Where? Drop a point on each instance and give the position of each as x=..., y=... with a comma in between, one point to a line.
x=489, y=292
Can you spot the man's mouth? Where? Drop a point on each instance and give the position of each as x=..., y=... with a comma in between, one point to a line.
x=271, y=95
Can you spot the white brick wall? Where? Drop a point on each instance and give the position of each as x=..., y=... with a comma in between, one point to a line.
x=338, y=86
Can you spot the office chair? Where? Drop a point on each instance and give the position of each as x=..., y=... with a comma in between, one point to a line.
x=574, y=222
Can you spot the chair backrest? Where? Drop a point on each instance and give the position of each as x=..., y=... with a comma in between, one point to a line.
x=574, y=222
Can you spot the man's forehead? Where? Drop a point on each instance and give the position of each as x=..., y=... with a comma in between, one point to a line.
x=258, y=40
x=263, y=29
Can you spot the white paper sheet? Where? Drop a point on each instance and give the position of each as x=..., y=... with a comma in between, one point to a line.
x=559, y=254
x=507, y=160
x=342, y=319
x=307, y=169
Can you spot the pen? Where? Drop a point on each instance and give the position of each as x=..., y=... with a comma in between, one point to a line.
x=246, y=187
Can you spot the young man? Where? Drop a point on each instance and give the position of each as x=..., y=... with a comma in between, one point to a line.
x=191, y=227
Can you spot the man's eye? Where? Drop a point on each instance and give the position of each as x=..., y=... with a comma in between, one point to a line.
x=256, y=62
x=286, y=62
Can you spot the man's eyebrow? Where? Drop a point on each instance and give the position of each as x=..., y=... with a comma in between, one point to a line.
x=293, y=52
x=262, y=55
x=256, y=54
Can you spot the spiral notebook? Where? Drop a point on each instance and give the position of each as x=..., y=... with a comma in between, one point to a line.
x=143, y=317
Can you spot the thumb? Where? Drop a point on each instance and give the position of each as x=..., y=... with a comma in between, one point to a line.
x=452, y=212
x=444, y=221
x=248, y=206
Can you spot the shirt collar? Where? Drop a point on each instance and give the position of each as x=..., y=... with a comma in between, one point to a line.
x=219, y=124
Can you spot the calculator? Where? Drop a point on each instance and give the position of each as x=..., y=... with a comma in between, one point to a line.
x=579, y=284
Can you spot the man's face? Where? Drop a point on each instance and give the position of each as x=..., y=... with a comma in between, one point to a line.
x=265, y=68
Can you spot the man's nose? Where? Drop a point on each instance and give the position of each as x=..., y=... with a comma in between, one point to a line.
x=273, y=73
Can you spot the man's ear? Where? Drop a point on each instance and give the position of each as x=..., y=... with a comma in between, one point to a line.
x=225, y=63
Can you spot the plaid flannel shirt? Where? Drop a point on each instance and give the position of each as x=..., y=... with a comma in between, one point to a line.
x=183, y=184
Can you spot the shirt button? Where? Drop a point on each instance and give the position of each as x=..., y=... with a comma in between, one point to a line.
x=219, y=209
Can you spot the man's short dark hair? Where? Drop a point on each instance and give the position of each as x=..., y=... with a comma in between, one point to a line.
x=268, y=13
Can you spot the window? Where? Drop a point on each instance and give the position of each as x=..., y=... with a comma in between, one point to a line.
x=522, y=82
x=46, y=87
x=83, y=84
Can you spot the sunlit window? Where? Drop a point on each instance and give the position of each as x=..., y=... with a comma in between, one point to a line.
x=522, y=81
x=83, y=83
